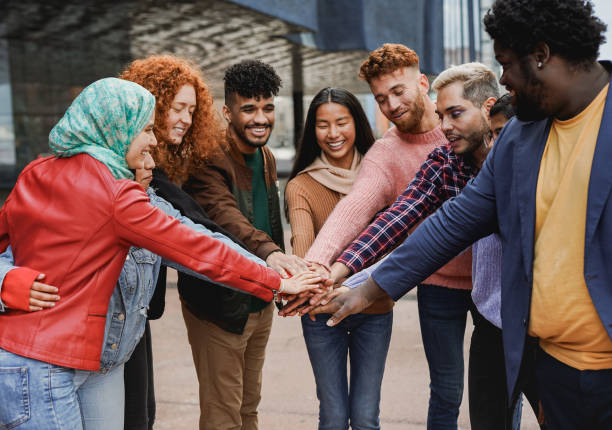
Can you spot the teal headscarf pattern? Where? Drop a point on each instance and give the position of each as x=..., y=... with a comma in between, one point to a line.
x=102, y=122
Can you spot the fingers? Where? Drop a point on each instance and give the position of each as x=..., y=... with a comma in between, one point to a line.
x=316, y=299
x=39, y=286
x=42, y=296
x=306, y=309
x=320, y=269
x=309, y=278
x=329, y=308
x=335, y=293
x=38, y=305
x=45, y=297
x=40, y=301
x=291, y=307
x=328, y=282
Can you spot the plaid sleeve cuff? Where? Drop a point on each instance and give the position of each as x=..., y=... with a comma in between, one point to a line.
x=350, y=260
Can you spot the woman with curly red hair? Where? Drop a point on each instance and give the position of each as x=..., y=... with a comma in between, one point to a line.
x=187, y=128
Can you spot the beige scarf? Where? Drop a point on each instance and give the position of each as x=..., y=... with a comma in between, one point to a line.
x=332, y=177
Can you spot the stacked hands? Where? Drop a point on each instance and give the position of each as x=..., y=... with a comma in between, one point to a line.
x=304, y=285
x=306, y=288
x=313, y=289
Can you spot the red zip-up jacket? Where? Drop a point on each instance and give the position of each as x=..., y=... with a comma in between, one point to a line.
x=70, y=219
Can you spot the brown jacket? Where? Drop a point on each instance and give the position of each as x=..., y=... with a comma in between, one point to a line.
x=223, y=189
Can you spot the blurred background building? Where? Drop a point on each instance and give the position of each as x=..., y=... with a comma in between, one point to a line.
x=50, y=50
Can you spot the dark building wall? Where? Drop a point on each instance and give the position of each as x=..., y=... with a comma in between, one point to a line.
x=50, y=60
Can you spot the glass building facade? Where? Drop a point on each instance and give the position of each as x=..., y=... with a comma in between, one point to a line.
x=50, y=50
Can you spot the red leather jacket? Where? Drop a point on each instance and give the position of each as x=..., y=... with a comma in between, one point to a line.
x=70, y=219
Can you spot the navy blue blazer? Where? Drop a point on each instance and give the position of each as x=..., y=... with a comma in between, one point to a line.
x=502, y=199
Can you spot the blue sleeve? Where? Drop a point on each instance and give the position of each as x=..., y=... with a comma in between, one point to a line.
x=6, y=265
x=360, y=277
x=171, y=211
x=458, y=223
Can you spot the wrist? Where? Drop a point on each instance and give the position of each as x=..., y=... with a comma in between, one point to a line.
x=273, y=252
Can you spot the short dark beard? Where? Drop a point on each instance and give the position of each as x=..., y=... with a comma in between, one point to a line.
x=242, y=136
x=477, y=138
x=528, y=104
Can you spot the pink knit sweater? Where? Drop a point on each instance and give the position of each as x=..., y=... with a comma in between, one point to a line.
x=386, y=170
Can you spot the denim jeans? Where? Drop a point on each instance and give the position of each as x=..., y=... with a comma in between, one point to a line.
x=101, y=398
x=365, y=337
x=442, y=314
x=37, y=395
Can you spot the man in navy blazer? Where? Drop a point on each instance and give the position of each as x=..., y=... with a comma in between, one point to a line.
x=548, y=51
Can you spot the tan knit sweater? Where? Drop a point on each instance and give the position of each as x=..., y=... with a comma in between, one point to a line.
x=309, y=204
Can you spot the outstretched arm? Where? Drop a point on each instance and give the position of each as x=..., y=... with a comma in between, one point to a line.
x=437, y=180
x=371, y=192
x=457, y=224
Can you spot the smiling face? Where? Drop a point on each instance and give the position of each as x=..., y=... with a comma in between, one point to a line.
x=250, y=121
x=335, y=132
x=527, y=92
x=180, y=114
x=141, y=146
x=400, y=97
x=464, y=124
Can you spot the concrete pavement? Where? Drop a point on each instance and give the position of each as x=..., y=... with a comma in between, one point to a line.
x=288, y=396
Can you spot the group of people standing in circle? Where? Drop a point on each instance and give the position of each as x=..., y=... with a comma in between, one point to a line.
x=143, y=176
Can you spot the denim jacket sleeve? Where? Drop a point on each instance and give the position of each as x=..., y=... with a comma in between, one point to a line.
x=6, y=265
x=170, y=210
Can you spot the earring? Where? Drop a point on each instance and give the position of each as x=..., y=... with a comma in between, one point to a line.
x=539, y=64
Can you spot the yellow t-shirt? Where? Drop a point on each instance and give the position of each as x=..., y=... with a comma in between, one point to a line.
x=562, y=313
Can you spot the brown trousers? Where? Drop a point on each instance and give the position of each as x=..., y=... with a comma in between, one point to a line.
x=229, y=368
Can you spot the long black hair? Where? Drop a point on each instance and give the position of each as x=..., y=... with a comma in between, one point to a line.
x=308, y=149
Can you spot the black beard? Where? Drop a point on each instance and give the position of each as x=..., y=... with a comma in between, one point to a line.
x=529, y=110
x=242, y=135
x=528, y=104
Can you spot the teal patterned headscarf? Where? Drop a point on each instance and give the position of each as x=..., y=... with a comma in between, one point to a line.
x=102, y=122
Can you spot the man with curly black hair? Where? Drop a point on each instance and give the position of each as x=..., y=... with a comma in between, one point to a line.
x=546, y=188
x=238, y=189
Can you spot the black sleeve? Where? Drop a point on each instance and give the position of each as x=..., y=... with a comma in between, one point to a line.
x=184, y=203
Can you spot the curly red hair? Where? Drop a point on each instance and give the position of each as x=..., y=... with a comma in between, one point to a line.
x=163, y=76
x=387, y=59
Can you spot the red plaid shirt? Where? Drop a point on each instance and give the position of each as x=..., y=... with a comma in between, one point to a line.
x=442, y=176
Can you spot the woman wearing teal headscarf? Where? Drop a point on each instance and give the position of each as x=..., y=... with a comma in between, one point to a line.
x=102, y=122
x=73, y=216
